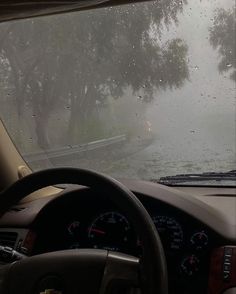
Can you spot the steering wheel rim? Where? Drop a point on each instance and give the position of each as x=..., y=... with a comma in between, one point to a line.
x=153, y=270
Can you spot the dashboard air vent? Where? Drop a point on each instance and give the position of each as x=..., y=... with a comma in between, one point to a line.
x=8, y=239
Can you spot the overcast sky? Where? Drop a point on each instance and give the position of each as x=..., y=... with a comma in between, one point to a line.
x=206, y=103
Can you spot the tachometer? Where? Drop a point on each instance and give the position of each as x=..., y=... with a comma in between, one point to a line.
x=111, y=231
x=170, y=231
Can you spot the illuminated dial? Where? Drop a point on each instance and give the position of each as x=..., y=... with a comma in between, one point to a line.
x=199, y=240
x=74, y=232
x=170, y=231
x=111, y=231
x=73, y=228
x=190, y=265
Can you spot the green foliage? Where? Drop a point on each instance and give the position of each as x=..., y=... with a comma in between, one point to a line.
x=222, y=38
x=79, y=59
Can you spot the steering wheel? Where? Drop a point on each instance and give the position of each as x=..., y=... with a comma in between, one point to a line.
x=87, y=271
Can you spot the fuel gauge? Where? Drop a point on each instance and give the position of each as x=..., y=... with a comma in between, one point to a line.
x=190, y=265
x=73, y=228
x=199, y=240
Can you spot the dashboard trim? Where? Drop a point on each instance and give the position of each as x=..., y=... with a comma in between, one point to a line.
x=185, y=202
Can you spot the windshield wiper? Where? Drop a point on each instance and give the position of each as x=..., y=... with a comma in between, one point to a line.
x=207, y=176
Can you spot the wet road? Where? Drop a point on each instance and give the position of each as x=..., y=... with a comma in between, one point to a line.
x=182, y=152
x=170, y=156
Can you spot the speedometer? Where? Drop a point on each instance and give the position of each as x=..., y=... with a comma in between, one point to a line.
x=111, y=231
x=170, y=231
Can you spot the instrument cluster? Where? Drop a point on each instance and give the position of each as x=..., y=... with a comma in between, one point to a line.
x=111, y=230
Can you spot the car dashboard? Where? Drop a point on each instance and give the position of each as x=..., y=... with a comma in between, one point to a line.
x=83, y=218
x=90, y=221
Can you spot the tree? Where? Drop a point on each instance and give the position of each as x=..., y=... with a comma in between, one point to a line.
x=81, y=59
x=222, y=38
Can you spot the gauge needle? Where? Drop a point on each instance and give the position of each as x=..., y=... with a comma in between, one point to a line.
x=98, y=231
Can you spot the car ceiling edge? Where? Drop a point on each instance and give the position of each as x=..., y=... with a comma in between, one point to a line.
x=20, y=9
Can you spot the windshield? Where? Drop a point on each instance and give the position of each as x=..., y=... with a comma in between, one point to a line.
x=140, y=91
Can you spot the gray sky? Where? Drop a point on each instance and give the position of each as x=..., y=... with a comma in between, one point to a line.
x=206, y=103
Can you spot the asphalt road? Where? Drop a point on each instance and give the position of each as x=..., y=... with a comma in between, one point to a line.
x=163, y=156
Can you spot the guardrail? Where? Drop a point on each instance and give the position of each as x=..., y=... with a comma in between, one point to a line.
x=73, y=149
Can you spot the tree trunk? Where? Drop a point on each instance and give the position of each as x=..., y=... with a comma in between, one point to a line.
x=41, y=128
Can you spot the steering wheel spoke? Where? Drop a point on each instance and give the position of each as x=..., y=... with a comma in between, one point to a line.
x=69, y=271
x=121, y=274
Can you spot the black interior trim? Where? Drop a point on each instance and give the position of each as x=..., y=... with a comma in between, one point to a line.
x=21, y=9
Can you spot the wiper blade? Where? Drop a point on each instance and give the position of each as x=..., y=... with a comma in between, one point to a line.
x=207, y=176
